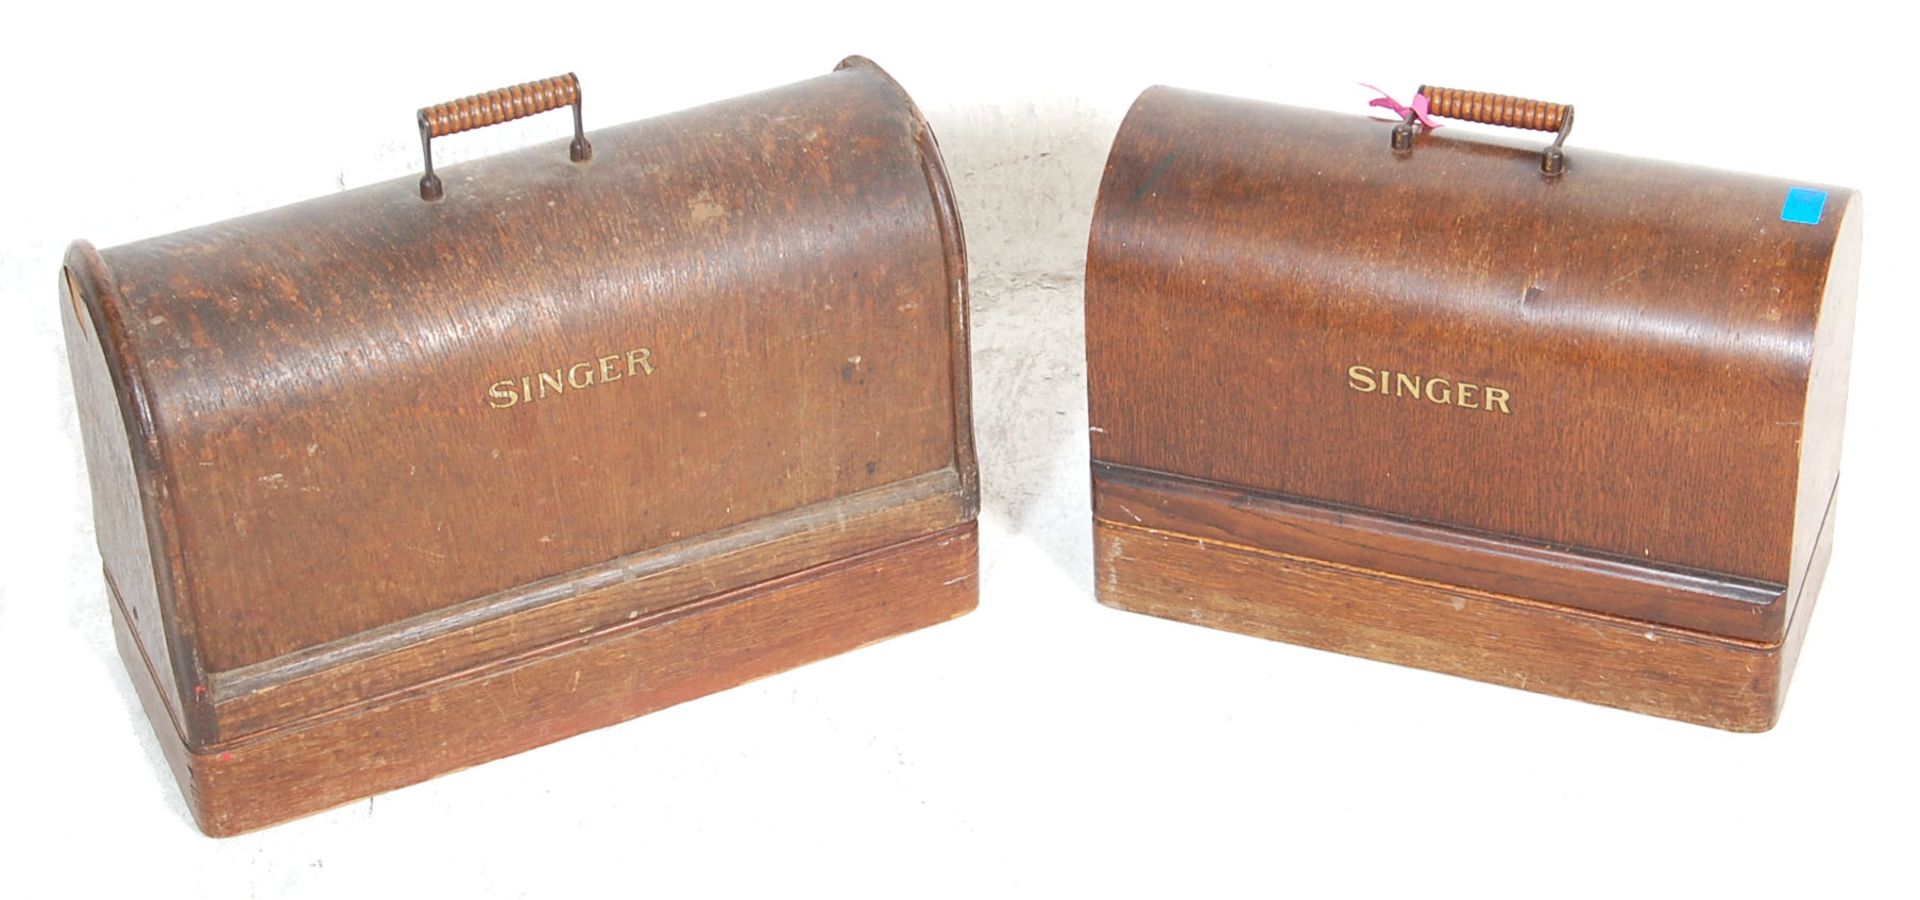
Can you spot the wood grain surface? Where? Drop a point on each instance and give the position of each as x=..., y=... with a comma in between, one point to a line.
x=1499, y=638
x=365, y=446
x=1655, y=325
x=613, y=674
x=316, y=680
x=1696, y=601
x=1395, y=378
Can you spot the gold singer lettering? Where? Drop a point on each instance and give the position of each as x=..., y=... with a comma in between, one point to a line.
x=1433, y=389
x=510, y=392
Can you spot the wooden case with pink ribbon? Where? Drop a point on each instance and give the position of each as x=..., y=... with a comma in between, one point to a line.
x=1547, y=417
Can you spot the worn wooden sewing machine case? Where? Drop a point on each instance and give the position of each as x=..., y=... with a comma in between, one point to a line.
x=1421, y=398
x=387, y=486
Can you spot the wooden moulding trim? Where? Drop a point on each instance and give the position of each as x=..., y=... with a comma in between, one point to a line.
x=521, y=702
x=99, y=299
x=1807, y=591
x=1709, y=604
x=579, y=605
x=953, y=243
x=954, y=239
x=1654, y=669
x=147, y=684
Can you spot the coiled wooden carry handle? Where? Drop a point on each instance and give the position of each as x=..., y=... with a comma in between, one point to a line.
x=494, y=107
x=1496, y=109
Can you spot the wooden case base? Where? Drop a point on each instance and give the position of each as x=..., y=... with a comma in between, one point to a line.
x=611, y=675
x=1553, y=648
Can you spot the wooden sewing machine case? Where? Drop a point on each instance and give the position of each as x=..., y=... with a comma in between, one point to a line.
x=1558, y=419
x=422, y=474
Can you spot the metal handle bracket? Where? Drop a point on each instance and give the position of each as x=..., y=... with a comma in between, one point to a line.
x=494, y=107
x=1495, y=109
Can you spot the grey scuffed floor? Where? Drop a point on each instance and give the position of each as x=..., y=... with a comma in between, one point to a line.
x=1026, y=199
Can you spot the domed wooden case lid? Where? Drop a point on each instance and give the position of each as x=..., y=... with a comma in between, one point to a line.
x=405, y=432
x=1590, y=380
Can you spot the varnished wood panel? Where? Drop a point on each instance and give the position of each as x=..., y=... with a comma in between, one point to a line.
x=1653, y=322
x=1699, y=601
x=310, y=513
x=612, y=675
x=131, y=519
x=324, y=368
x=1825, y=415
x=1552, y=649
x=320, y=679
x=1643, y=517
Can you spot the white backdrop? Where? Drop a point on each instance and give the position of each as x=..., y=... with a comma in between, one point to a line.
x=1044, y=745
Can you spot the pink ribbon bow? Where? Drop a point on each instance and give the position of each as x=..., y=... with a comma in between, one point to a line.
x=1418, y=109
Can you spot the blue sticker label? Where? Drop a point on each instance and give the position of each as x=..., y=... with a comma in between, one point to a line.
x=1804, y=205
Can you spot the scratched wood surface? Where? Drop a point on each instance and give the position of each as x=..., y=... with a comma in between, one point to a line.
x=367, y=445
x=1655, y=325
x=1701, y=602
x=1619, y=390
x=609, y=676
x=1499, y=638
